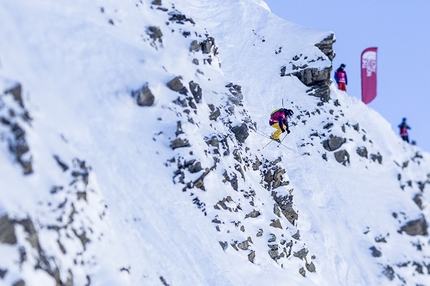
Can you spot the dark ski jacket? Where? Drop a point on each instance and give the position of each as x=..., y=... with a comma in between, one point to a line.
x=280, y=118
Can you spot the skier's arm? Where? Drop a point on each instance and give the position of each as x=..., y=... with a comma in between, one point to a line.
x=286, y=125
x=335, y=77
x=281, y=123
x=346, y=79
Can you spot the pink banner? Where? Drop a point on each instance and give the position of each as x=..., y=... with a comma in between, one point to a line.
x=368, y=75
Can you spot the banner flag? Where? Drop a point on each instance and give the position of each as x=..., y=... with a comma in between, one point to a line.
x=368, y=74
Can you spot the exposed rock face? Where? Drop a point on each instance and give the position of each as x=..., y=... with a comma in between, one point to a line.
x=317, y=79
x=285, y=203
x=12, y=115
x=326, y=46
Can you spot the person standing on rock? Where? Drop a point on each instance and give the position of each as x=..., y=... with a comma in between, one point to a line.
x=279, y=121
x=341, y=78
x=404, y=130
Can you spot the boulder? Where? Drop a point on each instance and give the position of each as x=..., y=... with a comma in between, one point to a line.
x=415, y=227
x=144, y=96
x=333, y=143
x=362, y=152
x=207, y=44
x=342, y=156
x=196, y=91
x=176, y=85
x=195, y=46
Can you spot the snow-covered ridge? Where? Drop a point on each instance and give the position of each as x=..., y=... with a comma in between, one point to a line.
x=131, y=145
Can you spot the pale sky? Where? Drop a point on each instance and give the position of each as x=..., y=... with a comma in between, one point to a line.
x=400, y=30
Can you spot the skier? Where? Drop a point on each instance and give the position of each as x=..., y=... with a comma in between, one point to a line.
x=279, y=121
x=404, y=130
x=341, y=78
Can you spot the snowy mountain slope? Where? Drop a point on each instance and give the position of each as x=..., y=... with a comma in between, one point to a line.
x=180, y=192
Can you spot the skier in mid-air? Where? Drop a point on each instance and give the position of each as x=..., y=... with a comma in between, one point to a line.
x=279, y=121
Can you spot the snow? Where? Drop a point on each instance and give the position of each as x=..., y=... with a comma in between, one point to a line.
x=78, y=70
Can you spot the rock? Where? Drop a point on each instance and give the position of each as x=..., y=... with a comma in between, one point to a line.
x=418, y=199
x=144, y=96
x=195, y=46
x=376, y=157
x=273, y=251
x=375, y=252
x=276, y=224
x=7, y=230
x=251, y=256
x=215, y=112
x=342, y=156
x=154, y=33
x=253, y=214
x=224, y=245
x=313, y=76
x=389, y=272
x=16, y=92
x=272, y=238
x=333, y=143
x=286, y=205
x=416, y=227
x=362, y=151
x=207, y=45
x=296, y=236
x=176, y=85
x=179, y=143
x=196, y=91
x=302, y=271
x=301, y=254
x=243, y=245
x=240, y=132
x=326, y=46
x=2, y=273
x=19, y=283
x=156, y=2
x=194, y=167
x=19, y=148
x=310, y=267
x=320, y=90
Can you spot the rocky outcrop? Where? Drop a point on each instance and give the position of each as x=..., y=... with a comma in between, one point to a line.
x=326, y=46
x=316, y=78
x=14, y=117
